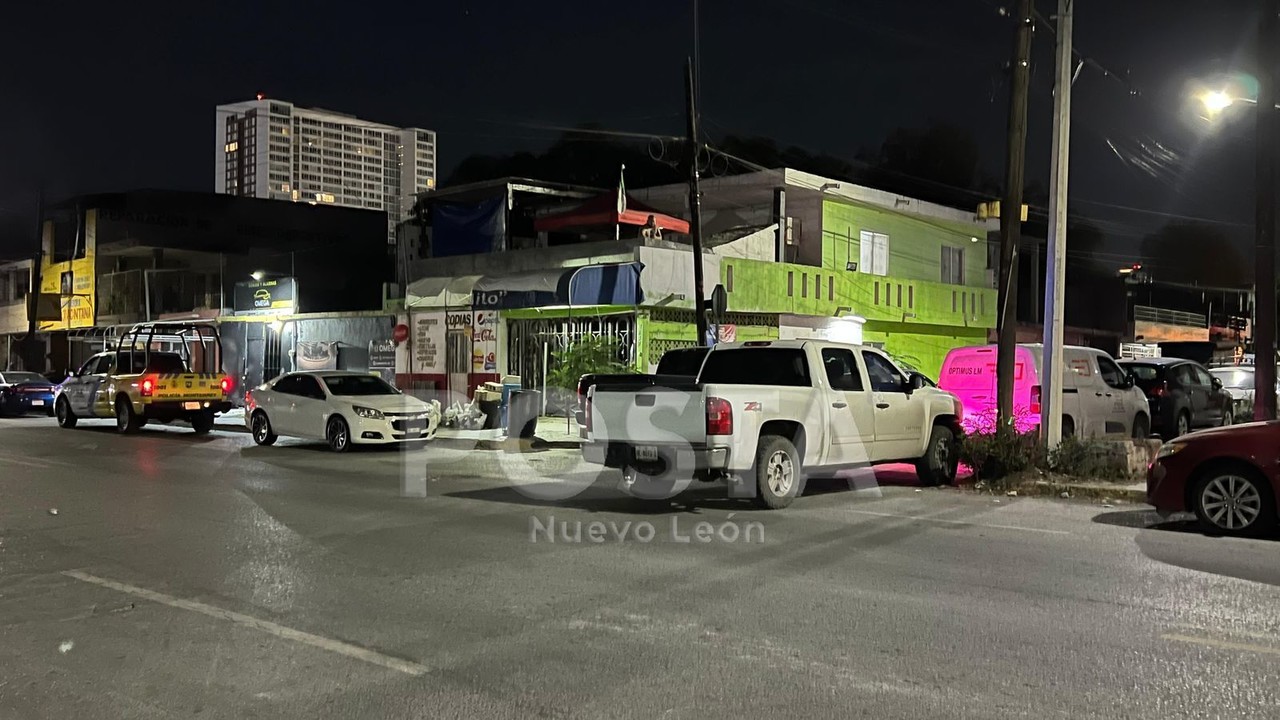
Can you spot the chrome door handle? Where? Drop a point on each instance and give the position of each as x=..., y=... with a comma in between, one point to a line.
x=882, y=406
x=1098, y=394
x=839, y=405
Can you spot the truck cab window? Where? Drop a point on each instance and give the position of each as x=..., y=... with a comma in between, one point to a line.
x=842, y=370
x=884, y=376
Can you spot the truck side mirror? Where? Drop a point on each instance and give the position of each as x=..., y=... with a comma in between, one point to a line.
x=915, y=381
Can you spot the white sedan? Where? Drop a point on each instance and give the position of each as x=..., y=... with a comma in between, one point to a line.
x=342, y=408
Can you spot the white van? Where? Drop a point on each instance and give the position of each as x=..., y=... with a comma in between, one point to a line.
x=1098, y=397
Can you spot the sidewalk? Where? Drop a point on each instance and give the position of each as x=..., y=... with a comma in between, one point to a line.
x=1105, y=492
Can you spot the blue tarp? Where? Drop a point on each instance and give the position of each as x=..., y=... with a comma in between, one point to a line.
x=468, y=229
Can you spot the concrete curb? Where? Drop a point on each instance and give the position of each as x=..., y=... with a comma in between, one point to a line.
x=1105, y=492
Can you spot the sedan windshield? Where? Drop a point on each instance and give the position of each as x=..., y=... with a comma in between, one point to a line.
x=358, y=385
x=15, y=378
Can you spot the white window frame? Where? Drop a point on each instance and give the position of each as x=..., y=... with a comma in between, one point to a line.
x=873, y=253
x=953, y=261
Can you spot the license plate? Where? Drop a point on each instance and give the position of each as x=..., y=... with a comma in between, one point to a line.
x=190, y=406
x=646, y=452
x=37, y=403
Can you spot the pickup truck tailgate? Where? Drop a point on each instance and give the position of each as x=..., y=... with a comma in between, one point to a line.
x=649, y=415
x=186, y=386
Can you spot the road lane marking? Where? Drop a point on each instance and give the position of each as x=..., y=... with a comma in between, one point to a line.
x=925, y=518
x=334, y=646
x=1222, y=644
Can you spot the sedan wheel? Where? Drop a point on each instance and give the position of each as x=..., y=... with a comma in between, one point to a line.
x=1183, y=425
x=262, y=433
x=338, y=435
x=1233, y=502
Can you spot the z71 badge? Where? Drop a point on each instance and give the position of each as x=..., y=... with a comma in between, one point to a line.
x=752, y=407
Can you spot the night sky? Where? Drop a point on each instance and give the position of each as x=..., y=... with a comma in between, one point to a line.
x=94, y=97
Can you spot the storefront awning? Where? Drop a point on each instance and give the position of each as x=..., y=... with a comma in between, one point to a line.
x=440, y=292
x=615, y=284
x=603, y=211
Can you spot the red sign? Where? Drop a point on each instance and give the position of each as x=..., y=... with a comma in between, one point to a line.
x=400, y=333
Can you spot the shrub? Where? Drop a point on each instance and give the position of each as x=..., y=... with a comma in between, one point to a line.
x=1090, y=458
x=996, y=455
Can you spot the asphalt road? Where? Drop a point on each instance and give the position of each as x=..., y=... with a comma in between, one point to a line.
x=186, y=576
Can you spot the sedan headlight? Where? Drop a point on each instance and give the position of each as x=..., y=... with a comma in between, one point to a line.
x=1169, y=449
x=369, y=413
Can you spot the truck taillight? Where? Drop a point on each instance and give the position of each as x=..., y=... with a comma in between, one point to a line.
x=1035, y=399
x=226, y=386
x=586, y=411
x=147, y=386
x=719, y=416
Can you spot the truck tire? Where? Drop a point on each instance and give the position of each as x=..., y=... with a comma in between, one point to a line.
x=126, y=418
x=778, y=472
x=202, y=422
x=940, y=461
x=66, y=417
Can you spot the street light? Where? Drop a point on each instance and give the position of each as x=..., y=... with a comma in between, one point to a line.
x=1215, y=101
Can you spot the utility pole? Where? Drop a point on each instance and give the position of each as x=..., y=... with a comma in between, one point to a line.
x=1056, y=278
x=1011, y=212
x=1264, y=318
x=695, y=206
x=32, y=353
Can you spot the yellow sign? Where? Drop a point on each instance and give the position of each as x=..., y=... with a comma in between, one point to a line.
x=72, y=281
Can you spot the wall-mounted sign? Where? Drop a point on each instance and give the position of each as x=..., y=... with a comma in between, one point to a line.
x=265, y=297
x=484, y=342
x=427, y=343
x=400, y=333
x=315, y=355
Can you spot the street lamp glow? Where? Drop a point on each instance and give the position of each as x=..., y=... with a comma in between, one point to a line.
x=1215, y=101
x=257, y=274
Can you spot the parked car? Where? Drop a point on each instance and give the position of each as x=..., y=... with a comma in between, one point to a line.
x=25, y=392
x=1229, y=477
x=1239, y=381
x=765, y=414
x=1182, y=394
x=340, y=407
x=1098, y=397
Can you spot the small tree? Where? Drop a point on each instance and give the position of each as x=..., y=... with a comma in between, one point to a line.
x=592, y=354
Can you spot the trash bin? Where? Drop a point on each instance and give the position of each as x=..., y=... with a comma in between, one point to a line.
x=522, y=414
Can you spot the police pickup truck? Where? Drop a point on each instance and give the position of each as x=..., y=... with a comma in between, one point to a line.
x=161, y=371
x=764, y=415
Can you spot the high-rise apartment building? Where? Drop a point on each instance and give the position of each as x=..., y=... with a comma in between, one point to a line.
x=269, y=148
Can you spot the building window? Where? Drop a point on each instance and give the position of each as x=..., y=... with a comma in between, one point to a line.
x=804, y=285
x=817, y=287
x=791, y=283
x=728, y=278
x=873, y=253
x=964, y=304
x=899, y=296
x=232, y=147
x=952, y=265
x=877, y=302
x=831, y=287
x=953, y=301
x=911, y=297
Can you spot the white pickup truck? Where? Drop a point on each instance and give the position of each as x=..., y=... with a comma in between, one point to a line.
x=766, y=415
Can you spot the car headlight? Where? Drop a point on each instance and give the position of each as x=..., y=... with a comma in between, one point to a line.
x=1169, y=449
x=365, y=412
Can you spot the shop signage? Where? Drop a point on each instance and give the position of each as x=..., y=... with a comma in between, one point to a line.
x=265, y=297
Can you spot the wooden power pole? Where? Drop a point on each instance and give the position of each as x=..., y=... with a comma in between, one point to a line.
x=1011, y=212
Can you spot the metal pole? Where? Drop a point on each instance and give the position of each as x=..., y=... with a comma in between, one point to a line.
x=30, y=353
x=1011, y=213
x=695, y=208
x=1264, y=330
x=1055, y=279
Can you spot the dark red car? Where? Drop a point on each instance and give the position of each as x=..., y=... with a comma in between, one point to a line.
x=1229, y=477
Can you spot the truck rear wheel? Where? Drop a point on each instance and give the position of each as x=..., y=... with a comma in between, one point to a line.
x=778, y=472
x=202, y=422
x=126, y=418
x=940, y=461
x=66, y=417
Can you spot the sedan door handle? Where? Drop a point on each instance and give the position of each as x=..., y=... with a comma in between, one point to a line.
x=839, y=405
x=1098, y=394
x=882, y=406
